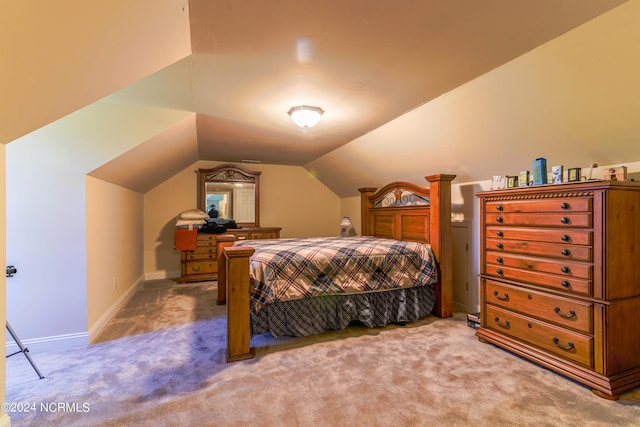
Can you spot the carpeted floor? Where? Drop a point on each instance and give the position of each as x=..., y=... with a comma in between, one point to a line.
x=160, y=363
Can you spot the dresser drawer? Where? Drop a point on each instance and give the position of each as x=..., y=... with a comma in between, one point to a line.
x=564, y=312
x=563, y=268
x=567, y=204
x=551, y=250
x=554, y=339
x=206, y=240
x=199, y=255
x=566, y=284
x=572, y=236
x=205, y=250
x=264, y=235
x=540, y=219
x=199, y=267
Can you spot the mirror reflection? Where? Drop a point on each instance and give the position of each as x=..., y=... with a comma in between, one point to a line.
x=231, y=201
x=230, y=192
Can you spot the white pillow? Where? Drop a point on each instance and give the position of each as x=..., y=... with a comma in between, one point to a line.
x=190, y=222
x=193, y=214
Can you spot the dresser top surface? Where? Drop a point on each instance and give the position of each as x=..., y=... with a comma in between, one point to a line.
x=564, y=187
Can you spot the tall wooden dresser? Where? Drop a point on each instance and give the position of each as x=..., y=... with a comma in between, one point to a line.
x=560, y=279
x=202, y=264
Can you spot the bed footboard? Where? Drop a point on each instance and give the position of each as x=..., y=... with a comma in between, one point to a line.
x=236, y=283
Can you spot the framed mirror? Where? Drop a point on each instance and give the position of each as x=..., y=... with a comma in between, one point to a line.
x=233, y=191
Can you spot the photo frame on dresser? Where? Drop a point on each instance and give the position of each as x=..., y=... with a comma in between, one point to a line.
x=556, y=174
x=524, y=178
x=573, y=174
x=496, y=182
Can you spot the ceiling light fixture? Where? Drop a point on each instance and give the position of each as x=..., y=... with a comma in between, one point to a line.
x=305, y=116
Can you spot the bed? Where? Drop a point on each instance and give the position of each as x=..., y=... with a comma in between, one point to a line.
x=264, y=297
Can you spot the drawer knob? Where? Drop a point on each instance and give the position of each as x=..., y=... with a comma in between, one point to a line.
x=566, y=252
x=565, y=283
x=565, y=206
x=499, y=207
x=556, y=341
x=499, y=245
x=504, y=298
x=566, y=238
x=499, y=219
x=499, y=271
x=500, y=234
x=500, y=260
x=565, y=269
x=565, y=220
x=565, y=316
x=502, y=325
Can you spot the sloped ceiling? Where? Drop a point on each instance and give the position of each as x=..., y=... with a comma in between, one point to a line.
x=367, y=63
x=364, y=62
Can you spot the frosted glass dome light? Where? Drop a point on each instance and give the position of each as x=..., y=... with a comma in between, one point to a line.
x=305, y=116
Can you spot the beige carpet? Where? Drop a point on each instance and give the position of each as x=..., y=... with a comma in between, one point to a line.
x=170, y=371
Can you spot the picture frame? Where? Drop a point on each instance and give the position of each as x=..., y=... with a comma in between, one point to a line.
x=512, y=181
x=496, y=182
x=523, y=180
x=573, y=174
x=557, y=173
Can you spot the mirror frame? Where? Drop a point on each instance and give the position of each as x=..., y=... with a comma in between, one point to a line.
x=229, y=173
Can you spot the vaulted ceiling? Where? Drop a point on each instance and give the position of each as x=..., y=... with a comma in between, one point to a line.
x=365, y=62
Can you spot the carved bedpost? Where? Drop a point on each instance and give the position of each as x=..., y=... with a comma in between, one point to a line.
x=441, y=240
x=223, y=241
x=238, y=303
x=365, y=205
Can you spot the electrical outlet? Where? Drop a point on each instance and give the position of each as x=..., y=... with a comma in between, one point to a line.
x=115, y=282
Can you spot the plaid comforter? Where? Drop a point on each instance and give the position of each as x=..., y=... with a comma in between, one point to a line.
x=289, y=269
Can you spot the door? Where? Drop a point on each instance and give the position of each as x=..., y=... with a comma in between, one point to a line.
x=461, y=234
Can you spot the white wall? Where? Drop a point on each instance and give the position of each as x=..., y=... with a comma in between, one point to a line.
x=46, y=239
x=46, y=216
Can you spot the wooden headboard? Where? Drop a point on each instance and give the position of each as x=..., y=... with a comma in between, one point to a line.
x=405, y=211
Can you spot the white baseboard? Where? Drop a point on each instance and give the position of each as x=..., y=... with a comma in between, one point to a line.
x=159, y=275
x=102, y=322
x=45, y=344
